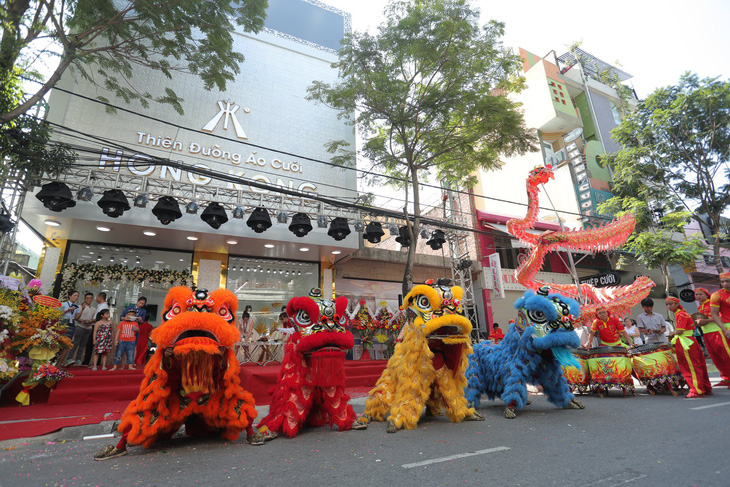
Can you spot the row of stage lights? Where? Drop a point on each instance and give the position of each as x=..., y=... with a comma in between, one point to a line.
x=56, y=196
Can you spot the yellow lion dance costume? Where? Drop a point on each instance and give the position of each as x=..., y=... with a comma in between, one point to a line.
x=428, y=367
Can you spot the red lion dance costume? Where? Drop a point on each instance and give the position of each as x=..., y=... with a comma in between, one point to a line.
x=192, y=378
x=311, y=385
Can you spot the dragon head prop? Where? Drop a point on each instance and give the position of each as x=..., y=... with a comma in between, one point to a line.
x=322, y=338
x=434, y=309
x=549, y=318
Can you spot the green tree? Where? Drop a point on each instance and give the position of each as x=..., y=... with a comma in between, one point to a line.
x=659, y=241
x=104, y=39
x=428, y=94
x=676, y=146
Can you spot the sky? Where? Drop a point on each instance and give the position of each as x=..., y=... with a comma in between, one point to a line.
x=654, y=41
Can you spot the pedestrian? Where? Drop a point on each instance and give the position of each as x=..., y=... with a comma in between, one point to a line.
x=69, y=311
x=84, y=324
x=633, y=330
x=142, y=342
x=690, y=359
x=124, y=340
x=651, y=324
x=497, y=335
x=103, y=337
x=609, y=329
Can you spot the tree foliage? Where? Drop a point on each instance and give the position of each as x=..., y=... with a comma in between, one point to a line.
x=428, y=94
x=105, y=39
x=676, y=147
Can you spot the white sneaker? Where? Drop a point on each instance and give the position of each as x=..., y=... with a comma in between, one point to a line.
x=78, y=363
x=93, y=368
x=103, y=368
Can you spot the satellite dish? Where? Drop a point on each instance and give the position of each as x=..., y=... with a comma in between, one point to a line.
x=572, y=135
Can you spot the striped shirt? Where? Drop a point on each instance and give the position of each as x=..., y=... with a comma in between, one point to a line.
x=126, y=331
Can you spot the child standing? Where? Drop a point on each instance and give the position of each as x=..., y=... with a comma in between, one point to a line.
x=124, y=340
x=102, y=336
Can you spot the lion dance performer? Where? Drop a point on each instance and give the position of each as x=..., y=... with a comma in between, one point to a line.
x=715, y=340
x=192, y=378
x=532, y=352
x=689, y=354
x=311, y=385
x=428, y=366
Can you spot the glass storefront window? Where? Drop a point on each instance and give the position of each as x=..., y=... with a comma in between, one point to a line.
x=121, y=294
x=266, y=285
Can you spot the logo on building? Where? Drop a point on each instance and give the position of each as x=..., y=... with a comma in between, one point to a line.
x=227, y=113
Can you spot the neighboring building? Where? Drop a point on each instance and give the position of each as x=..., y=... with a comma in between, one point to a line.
x=573, y=114
x=250, y=130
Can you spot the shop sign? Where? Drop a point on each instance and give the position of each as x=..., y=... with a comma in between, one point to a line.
x=687, y=295
x=495, y=269
x=602, y=280
x=509, y=281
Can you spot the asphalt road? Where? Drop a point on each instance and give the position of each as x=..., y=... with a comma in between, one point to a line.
x=643, y=441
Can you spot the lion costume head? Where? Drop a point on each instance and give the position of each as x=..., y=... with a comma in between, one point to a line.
x=428, y=366
x=199, y=377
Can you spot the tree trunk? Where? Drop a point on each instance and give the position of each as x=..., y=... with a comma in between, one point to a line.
x=716, y=245
x=665, y=273
x=414, y=230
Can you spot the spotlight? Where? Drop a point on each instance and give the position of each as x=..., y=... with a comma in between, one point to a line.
x=141, y=200
x=113, y=203
x=425, y=233
x=300, y=225
x=437, y=240
x=463, y=264
x=56, y=196
x=98, y=258
x=214, y=215
x=359, y=226
x=191, y=208
x=167, y=210
x=85, y=194
x=259, y=221
x=238, y=212
x=281, y=217
x=374, y=232
x=339, y=229
x=404, y=236
x=322, y=221
x=6, y=224
x=393, y=229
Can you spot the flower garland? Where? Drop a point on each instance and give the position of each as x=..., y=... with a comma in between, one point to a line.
x=72, y=272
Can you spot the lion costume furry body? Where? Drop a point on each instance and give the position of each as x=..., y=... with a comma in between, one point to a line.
x=311, y=386
x=531, y=353
x=428, y=366
x=198, y=383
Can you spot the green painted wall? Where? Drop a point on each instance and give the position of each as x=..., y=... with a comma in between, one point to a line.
x=589, y=129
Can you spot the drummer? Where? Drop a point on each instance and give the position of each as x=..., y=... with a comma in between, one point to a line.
x=715, y=340
x=690, y=358
x=720, y=304
x=610, y=330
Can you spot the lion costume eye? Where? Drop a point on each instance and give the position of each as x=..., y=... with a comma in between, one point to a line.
x=423, y=303
x=537, y=316
x=225, y=313
x=302, y=318
x=174, y=311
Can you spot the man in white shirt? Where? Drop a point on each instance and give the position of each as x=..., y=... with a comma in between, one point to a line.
x=651, y=324
x=101, y=303
x=85, y=319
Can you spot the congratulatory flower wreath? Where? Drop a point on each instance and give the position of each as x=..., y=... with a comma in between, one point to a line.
x=72, y=273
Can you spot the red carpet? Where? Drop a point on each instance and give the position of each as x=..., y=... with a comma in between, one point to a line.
x=90, y=397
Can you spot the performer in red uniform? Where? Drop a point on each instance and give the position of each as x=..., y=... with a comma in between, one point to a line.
x=497, y=334
x=715, y=340
x=690, y=358
x=720, y=304
x=610, y=330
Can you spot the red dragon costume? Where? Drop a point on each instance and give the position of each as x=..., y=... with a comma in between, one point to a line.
x=192, y=378
x=311, y=384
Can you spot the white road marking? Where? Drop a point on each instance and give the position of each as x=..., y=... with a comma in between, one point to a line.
x=96, y=437
x=711, y=406
x=454, y=457
x=616, y=479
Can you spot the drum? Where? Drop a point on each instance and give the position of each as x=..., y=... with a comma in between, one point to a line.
x=655, y=367
x=578, y=377
x=610, y=367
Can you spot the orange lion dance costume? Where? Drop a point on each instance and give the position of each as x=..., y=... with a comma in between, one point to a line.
x=311, y=386
x=192, y=378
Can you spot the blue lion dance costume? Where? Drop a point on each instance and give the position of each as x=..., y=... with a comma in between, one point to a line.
x=531, y=353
